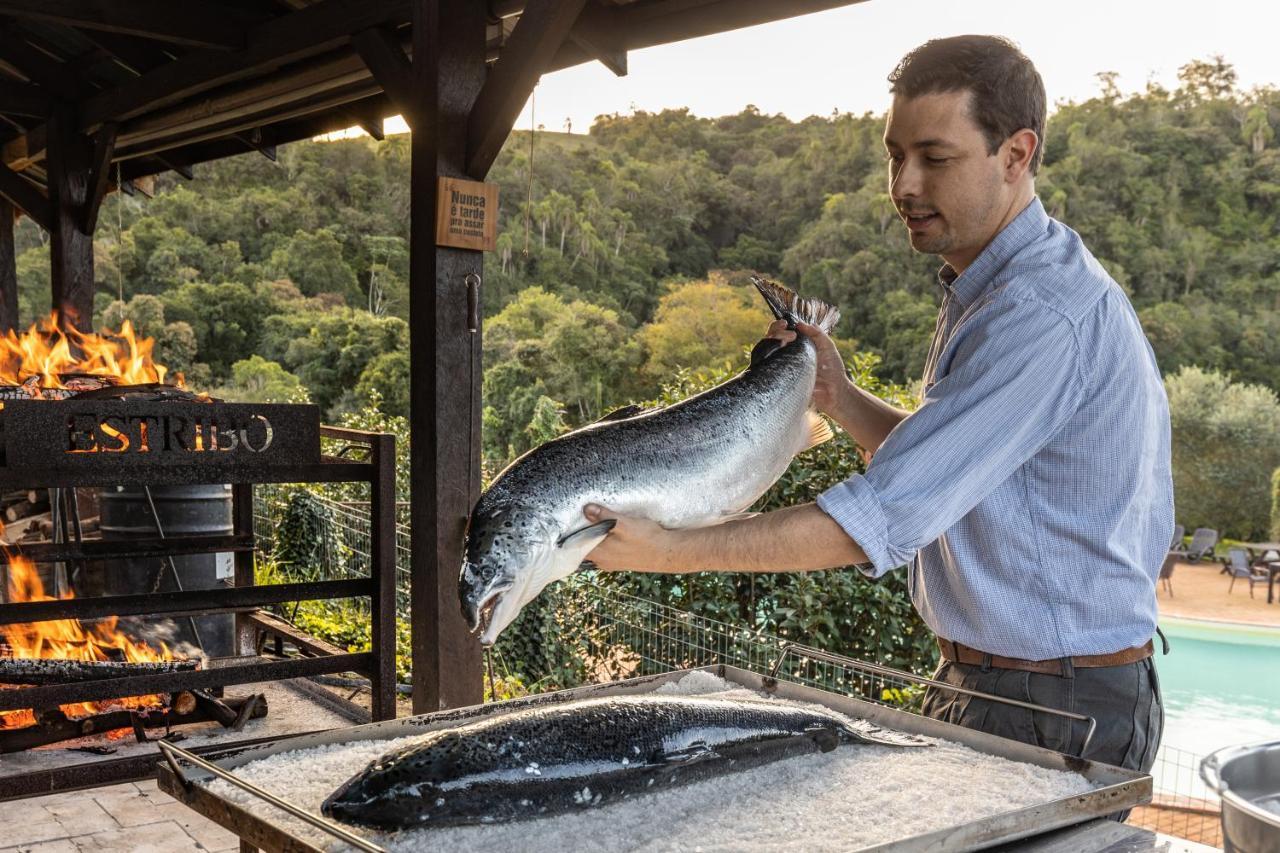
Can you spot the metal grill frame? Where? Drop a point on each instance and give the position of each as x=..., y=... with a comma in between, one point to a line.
x=187, y=780
x=244, y=599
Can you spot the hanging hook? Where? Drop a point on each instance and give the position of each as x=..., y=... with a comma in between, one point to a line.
x=472, y=281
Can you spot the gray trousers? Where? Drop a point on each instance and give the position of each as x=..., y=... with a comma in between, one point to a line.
x=1125, y=700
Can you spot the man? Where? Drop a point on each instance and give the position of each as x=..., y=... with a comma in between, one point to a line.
x=1031, y=491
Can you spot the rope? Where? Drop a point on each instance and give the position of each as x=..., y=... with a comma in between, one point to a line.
x=528, y=207
x=119, y=234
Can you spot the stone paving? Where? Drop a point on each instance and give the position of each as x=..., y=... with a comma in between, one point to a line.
x=128, y=818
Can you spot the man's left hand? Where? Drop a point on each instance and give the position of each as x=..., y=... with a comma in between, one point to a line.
x=634, y=543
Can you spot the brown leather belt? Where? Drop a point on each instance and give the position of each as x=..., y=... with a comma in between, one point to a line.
x=960, y=653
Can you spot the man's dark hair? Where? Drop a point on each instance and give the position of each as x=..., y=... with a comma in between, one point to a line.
x=1007, y=92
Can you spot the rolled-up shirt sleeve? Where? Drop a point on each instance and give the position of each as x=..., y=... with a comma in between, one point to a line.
x=1014, y=381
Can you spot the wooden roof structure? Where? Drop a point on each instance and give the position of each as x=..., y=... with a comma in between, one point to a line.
x=92, y=91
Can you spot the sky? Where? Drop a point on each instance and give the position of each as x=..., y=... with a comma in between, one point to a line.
x=838, y=60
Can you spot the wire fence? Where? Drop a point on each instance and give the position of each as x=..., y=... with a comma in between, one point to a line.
x=616, y=635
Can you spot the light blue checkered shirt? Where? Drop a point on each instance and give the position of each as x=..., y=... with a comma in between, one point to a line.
x=1031, y=492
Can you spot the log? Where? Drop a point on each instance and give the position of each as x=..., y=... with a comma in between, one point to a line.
x=214, y=708
x=45, y=526
x=54, y=726
x=24, y=508
x=57, y=671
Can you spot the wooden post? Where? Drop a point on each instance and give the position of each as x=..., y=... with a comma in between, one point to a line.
x=71, y=250
x=444, y=357
x=8, y=269
x=382, y=565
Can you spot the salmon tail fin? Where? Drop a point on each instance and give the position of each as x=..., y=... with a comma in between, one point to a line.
x=788, y=305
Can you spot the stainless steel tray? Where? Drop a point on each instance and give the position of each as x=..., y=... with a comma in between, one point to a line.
x=186, y=777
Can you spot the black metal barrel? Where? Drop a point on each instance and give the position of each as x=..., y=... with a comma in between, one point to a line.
x=203, y=510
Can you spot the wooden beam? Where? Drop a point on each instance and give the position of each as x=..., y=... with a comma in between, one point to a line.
x=370, y=124
x=541, y=30
x=26, y=197
x=380, y=49
x=183, y=169
x=39, y=67
x=135, y=55
x=190, y=24
x=444, y=358
x=70, y=249
x=276, y=43
x=612, y=58
x=104, y=145
x=8, y=268
x=23, y=99
x=591, y=33
x=253, y=138
x=276, y=134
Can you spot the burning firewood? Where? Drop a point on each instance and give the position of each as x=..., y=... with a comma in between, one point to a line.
x=57, y=671
x=53, y=725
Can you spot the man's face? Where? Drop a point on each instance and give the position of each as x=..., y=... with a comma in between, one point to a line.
x=948, y=189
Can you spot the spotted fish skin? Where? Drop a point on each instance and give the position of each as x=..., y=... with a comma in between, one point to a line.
x=578, y=755
x=691, y=464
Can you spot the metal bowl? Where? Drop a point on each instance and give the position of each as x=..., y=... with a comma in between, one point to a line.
x=1247, y=778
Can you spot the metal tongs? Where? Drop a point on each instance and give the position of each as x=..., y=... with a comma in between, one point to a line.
x=172, y=754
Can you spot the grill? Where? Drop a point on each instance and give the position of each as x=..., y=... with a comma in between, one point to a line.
x=150, y=439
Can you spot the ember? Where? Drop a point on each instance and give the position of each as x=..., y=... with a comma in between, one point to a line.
x=69, y=640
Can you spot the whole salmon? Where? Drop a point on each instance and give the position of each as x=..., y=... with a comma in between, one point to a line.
x=698, y=462
x=577, y=755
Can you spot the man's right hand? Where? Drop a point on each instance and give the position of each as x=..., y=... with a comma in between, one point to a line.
x=832, y=385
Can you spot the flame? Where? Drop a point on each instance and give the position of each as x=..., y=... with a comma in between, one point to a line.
x=46, y=356
x=67, y=639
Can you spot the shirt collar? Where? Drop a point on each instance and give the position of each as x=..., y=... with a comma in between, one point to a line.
x=977, y=278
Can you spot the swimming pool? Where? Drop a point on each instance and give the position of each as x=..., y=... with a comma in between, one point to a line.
x=1221, y=686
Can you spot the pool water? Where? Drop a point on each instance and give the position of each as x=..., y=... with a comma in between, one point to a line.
x=1221, y=687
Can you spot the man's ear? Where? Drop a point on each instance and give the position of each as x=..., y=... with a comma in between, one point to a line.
x=1019, y=149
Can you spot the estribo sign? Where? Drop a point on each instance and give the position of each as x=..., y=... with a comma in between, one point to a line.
x=86, y=435
x=90, y=432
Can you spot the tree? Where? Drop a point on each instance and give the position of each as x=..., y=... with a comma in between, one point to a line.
x=702, y=324
x=384, y=383
x=256, y=380
x=1226, y=443
x=226, y=319
x=313, y=261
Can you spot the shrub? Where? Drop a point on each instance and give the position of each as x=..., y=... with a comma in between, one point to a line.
x=1275, y=505
x=1226, y=441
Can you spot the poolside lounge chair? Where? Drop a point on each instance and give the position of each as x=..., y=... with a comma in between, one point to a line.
x=1179, y=533
x=1202, y=542
x=1239, y=566
x=1166, y=571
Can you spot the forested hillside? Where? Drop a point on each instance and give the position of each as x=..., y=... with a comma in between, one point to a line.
x=602, y=285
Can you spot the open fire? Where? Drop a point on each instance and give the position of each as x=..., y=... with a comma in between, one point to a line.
x=45, y=357
x=42, y=359
x=69, y=640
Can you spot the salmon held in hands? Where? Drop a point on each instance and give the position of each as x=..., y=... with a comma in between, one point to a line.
x=698, y=462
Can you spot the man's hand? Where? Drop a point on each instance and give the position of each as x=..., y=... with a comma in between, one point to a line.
x=832, y=386
x=634, y=543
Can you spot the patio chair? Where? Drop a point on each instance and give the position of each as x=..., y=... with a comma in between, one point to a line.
x=1202, y=542
x=1166, y=571
x=1239, y=566
x=1179, y=533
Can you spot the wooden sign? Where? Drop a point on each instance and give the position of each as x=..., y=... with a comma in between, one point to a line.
x=467, y=214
